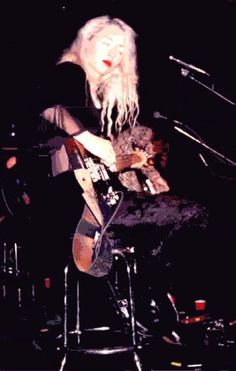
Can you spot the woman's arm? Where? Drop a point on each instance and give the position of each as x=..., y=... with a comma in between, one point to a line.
x=99, y=147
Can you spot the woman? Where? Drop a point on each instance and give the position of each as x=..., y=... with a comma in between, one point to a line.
x=92, y=97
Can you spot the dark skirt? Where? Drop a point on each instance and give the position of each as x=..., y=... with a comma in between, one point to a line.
x=170, y=237
x=145, y=221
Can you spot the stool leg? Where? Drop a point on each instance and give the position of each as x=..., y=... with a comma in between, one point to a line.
x=5, y=258
x=131, y=269
x=65, y=321
x=65, y=324
x=78, y=312
x=137, y=361
x=16, y=259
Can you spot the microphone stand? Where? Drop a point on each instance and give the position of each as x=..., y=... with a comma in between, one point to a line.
x=186, y=73
x=212, y=150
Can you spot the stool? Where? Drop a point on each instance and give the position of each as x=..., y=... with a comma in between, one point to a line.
x=14, y=278
x=126, y=310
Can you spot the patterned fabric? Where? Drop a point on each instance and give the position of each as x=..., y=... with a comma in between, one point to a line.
x=164, y=215
x=141, y=138
x=169, y=236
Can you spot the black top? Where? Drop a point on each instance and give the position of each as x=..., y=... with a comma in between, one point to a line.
x=65, y=85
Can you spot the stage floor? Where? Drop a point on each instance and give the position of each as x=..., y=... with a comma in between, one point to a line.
x=207, y=344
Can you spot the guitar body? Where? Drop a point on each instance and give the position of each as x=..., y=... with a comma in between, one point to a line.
x=91, y=250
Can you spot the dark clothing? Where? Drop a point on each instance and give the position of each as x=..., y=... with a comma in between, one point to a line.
x=58, y=202
x=65, y=78
x=151, y=224
x=169, y=233
x=66, y=87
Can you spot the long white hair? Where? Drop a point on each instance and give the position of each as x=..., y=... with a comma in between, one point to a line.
x=119, y=91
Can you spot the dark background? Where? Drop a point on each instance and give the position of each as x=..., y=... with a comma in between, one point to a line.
x=201, y=33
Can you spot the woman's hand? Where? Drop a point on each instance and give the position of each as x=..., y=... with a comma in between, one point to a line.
x=141, y=159
x=99, y=147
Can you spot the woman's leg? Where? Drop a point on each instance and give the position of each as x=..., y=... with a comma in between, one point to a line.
x=166, y=230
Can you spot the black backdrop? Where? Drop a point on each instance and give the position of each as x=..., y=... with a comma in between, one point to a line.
x=199, y=32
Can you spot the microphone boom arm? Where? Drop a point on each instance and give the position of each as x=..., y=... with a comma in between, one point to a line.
x=185, y=73
x=180, y=130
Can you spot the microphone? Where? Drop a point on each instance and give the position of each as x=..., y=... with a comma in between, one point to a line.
x=158, y=115
x=188, y=66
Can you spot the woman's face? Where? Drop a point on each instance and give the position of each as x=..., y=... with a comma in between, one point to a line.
x=105, y=50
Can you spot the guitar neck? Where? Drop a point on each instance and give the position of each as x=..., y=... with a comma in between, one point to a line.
x=126, y=161
x=80, y=158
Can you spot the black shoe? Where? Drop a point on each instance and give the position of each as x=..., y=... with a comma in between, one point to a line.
x=147, y=318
